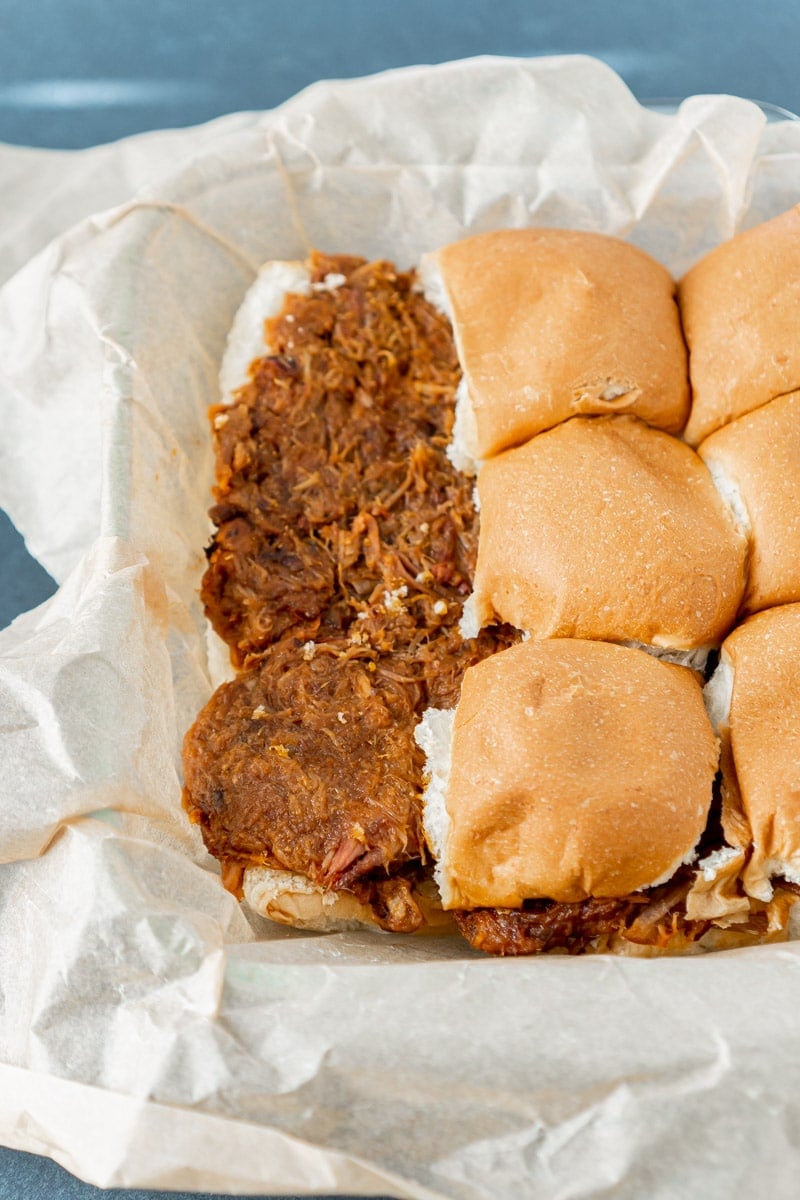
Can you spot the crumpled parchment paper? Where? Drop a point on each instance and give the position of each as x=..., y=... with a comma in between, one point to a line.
x=150, y=1034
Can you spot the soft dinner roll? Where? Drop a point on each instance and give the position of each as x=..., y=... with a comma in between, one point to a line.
x=741, y=314
x=550, y=323
x=757, y=460
x=575, y=769
x=604, y=528
x=758, y=681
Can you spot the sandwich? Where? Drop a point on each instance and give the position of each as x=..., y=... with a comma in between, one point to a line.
x=605, y=528
x=740, y=307
x=569, y=792
x=754, y=700
x=384, y=652
x=571, y=806
x=303, y=775
x=344, y=548
x=554, y=323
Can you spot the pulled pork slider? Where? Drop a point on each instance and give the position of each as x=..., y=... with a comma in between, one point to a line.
x=740, y=307
x=755, y=462
x=566, y=792
x=754, y=699
x=550, y=323
x=344, y=547
x=605, y=528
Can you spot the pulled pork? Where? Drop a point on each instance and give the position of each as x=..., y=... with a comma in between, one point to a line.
x=345, y=546
x=335, y=499
x=656, y=918
x=308, y=766
x=542, y=925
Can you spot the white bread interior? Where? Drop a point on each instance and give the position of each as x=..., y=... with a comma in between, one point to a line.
x=549, y=323
x=729, y=491
x=757, y=458
x=434, y=735
x=715, y=894
x=695, y=659
x=573, y=769
x=294, y=900
x=463, y=448
x=264, y=298
x=717, y=694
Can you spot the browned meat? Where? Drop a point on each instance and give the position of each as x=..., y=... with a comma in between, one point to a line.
x=392, y=901
x=651, y=918
x=543, y=925
x=309, y=765
x=307, y=762
x=345, y=546
x=335, y=500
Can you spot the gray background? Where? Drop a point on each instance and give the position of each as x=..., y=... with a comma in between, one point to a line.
x=77, y=72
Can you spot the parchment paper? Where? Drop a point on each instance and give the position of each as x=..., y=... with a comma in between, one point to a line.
x=150, y=1034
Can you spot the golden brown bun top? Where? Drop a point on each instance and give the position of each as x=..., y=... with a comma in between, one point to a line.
x=605, y=528
x=741, y=314
x=550, y=323
x=765, y=736
x=760, y=454
x=578, y=769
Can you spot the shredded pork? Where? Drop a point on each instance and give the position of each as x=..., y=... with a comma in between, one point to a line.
x=345, y=547
x=651, y=918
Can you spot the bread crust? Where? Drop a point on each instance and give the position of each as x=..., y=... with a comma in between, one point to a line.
x=760, y=455
x=577, y=769
x=550, y=323
x=605, y=528
x=293, y=900
x=764, y=726
x=740, y=307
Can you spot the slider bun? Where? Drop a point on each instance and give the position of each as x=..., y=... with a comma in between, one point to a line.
x=550, y=323
x=762, y=659
x=294, y=900
x=758, y=456
x=741, y=311
x=605, y=528
x=575, y=769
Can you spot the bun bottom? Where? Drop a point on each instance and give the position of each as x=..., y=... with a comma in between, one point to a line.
x=293, y=900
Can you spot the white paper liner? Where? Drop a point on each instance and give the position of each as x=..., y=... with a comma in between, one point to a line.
x=137, y=999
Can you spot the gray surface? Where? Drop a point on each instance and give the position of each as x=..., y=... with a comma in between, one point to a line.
x=29, y=1177
x=23, y=583
x=74, y=72
x=77, y=72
